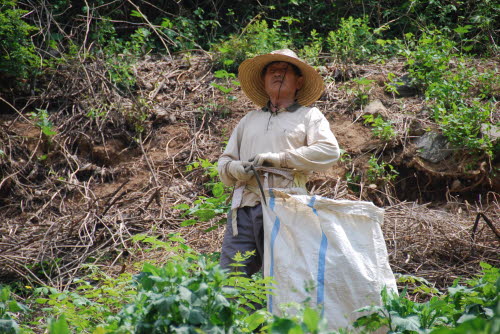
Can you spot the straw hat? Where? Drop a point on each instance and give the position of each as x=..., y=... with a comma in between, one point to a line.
x=250, y=76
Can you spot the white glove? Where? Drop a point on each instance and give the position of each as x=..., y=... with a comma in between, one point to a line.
x=240, y=170
x=267, y=159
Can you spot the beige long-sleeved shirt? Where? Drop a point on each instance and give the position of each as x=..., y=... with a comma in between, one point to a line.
x=300, y=134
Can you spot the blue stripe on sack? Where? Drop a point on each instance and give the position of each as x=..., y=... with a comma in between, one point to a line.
x=321, y=272
x=274, y=234
x=311, y=205
x=320, y=297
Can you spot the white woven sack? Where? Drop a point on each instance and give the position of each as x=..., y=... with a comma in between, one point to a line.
x=336, y=244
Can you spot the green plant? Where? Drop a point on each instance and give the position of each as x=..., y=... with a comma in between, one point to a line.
x=227, y=87
x=119, y=54
x=9, y=307
x=359, y=89
x=17, y=55
x=92, y=300
x=311, y=51
x=206, y=208
x=352, y=41
x=353, y=181
x=391, y=85
x=448, y=92
x=41, y=119
x=465, y=309
x=424, y=286
x=256, y=38
x=189, y=293
x=251, y=291
x=380, y=171
x=380, y=127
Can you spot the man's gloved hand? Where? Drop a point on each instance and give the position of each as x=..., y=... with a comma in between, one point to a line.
x=267, y=159
x=240, y=170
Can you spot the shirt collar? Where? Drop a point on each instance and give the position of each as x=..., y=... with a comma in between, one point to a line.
x=291, y=108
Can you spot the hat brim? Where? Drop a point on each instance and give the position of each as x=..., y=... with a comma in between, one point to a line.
x=250, y=77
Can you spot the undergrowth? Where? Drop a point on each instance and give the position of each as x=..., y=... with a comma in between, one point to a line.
x=190, y=293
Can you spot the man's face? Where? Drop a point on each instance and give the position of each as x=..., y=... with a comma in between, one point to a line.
x=280, y=78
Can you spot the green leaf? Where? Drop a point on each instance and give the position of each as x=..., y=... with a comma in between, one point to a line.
x=182, y=206
x=59, y=326
x=256, y=319
x=409, y=323
x=8, y=326
x=218, y=189
x=189, y=222
x=204, y=214
x=284, y=326
x=463, y=29
x=311, y=319
x=136, y=14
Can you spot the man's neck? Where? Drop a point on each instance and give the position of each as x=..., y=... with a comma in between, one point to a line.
x=276, y=104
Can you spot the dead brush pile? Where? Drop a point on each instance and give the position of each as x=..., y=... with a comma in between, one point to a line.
x=114, y=166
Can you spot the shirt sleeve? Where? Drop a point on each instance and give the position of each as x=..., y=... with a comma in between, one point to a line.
x=231, y=153
x=321, y=151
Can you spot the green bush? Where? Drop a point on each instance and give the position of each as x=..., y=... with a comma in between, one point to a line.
x=8, y=310
x=256, y=38
x=448, y=81
x=17, y=52
x=93, y=299
x=205, y=208
x=471, y=308
x=352, y=42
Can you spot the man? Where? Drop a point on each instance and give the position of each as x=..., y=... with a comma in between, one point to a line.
x=285, y=134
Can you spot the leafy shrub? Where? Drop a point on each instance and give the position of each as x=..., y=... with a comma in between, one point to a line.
x=311, y=50
x=352, y=42
x=17, y=55
x=380, y=127
x=256, y=38
x=474, y=308
x=380, y=171
x=92, y=300
x=120, y=54
x=447, y=80
x=206, y=208
x=179, y=297
x=191, y=31
x=8, y=309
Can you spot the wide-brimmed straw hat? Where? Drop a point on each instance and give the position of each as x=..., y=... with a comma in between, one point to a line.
x=250, y=77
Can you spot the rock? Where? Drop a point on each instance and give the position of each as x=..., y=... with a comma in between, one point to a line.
x=376, y=107
x=491, y=131
x=163, y=115
x=433, y=147
x=404, y=87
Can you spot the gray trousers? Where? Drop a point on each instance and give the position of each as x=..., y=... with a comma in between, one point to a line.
x=250, y=237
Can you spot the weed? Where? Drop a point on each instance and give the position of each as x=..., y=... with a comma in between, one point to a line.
x=18, y=57
x=353, y=181
x=469, y=309
x=392, y=85
x=257, y=38
x=94, y=298
x=380, y=127
x=9, y=307
x=352, y=41
x=230, y=82
x=310, y=52
x=206, y=208
x=447, y=90
x=41, y=119
x=380, y=171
